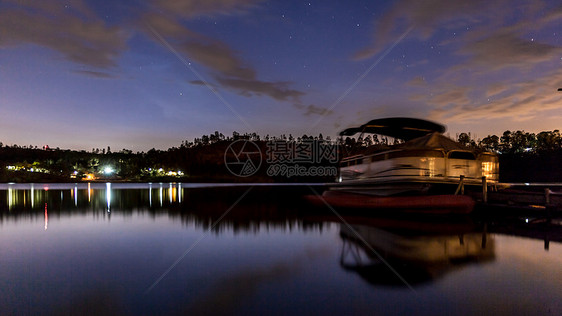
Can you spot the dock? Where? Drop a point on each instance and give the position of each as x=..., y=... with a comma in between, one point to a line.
x=542, y=199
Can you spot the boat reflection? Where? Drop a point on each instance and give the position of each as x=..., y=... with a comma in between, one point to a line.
x=409, y=256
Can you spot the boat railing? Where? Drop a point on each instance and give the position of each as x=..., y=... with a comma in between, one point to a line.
x=391, y=154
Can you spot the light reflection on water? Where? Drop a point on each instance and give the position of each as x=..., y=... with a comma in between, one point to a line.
x=98, y=247
x=26, y=195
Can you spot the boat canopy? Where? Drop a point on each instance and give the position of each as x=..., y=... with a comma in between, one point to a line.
x=398, y=127
x=432, y=141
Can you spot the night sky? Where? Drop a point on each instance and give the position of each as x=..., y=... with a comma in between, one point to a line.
x=142, y=74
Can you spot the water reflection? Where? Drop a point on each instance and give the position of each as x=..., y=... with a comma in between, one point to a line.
x=407, y=257
x=150, y=194
x=202, y=206
x=22, y=198
x=75, y=195
x=10, y=198
x=46, y=217
x=268, y=252
x=108, y=196
x=32, y=195
x=84, y=194
x=160, y=194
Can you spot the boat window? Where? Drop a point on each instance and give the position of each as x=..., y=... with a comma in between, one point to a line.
x=486, y=157
x=351, y=162
x=346, y=163
x=396, y=154
x=378, y=157
x=461, y=155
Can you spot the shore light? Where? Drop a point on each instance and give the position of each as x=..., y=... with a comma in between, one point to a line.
x=108, y=170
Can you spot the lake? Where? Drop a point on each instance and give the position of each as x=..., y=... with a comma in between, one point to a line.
x=167, y=248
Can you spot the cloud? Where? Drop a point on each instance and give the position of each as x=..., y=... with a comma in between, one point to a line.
x=218, y=57
x=313, y=109
x=503, y=49
x=495, y=88
x=516, y=100
x=417, y=81
x=73, y=30
x=428, y=18
x=95, y=74
x=193, y=8
x=450, y=96
x=167, y=25
x=211, y=53
x=499, y=80
x=227, y=67
x=277, y=90
x=198, y=82
x=487, y=67
x=232, y=73
x=425, y=18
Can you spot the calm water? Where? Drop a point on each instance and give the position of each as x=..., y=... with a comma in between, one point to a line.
x=168, y=249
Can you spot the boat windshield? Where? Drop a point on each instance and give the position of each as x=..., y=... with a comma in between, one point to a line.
x=462, y=155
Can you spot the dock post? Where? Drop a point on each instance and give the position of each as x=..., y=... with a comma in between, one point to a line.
x=484, y=190
x=547, y=205
x=460, y=187
x=547, y=196
x=484, y=235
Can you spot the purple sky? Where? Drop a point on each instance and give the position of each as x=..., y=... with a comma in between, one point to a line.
x=142, y=74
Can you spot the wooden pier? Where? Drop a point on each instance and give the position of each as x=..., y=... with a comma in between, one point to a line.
x=522, y=197
x=545, y=199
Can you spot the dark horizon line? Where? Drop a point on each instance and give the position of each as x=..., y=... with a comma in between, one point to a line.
x=236, y=135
